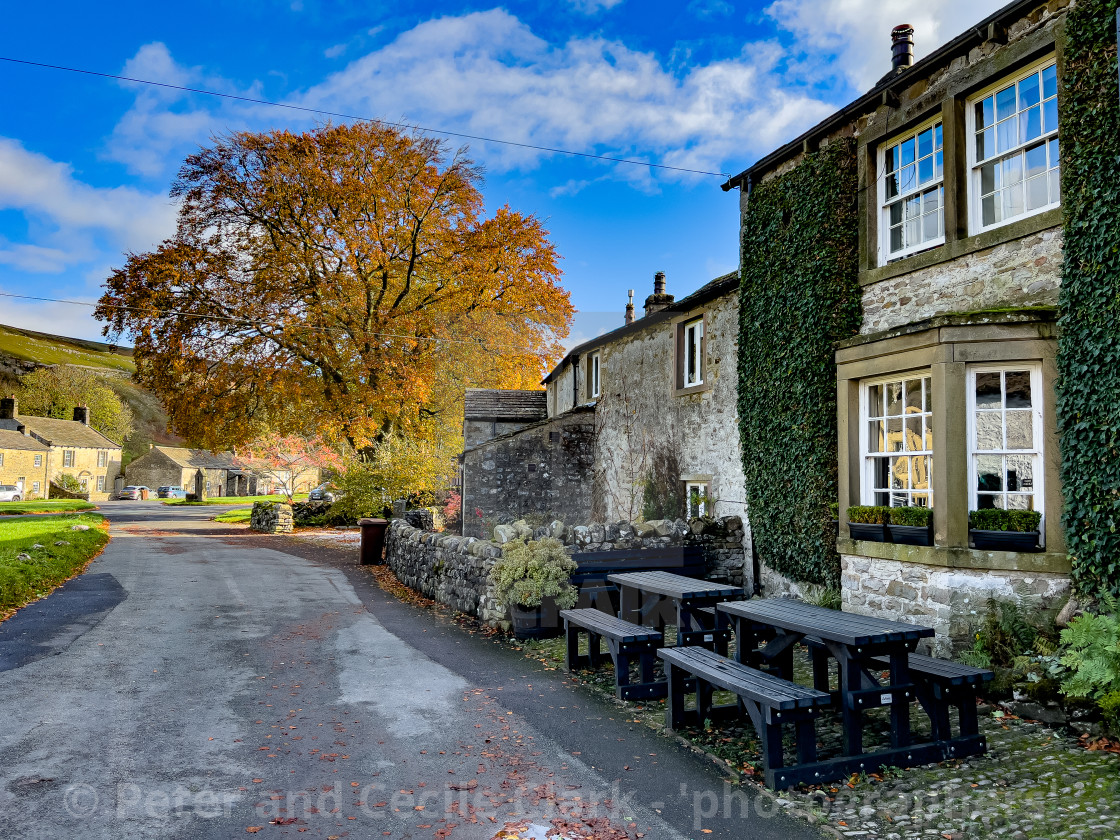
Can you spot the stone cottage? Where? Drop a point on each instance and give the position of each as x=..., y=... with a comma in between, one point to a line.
x=946, y=397
x=637, y=422
x=195, y=470
x=70, y=447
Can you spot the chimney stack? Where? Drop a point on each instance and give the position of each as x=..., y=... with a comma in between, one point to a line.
x=23, y=430
x=81, y=414
x=630, y=308
x=658, y=300
x=902, y=47
x=9, y=408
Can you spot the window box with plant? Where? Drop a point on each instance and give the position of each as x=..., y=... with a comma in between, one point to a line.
x=527, y=577
x=868, y=522
x=834, y=515
x=1004, y=530
x=911, y=525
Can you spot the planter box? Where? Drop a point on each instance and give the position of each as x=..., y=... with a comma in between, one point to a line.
x=911, y=534
x=867, y=531
x=1005, y=540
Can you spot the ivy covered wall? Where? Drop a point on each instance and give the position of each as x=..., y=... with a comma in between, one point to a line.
x=1089, y=339
x=799, y=294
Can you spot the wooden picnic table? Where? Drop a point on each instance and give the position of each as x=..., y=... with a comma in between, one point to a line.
x=766, y=631
x=640, y=593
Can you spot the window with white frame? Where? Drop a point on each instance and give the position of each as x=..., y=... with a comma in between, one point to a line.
x=693, y=356
x=912, y=193
x=1005, y=437
x=897, y=441
x=696, y=497
x=102, y=457
x=68, y=458
x=594, y=383
x=2, y=459
x=35, y=486
x=101, y=484
x=1014, y=154
x=38, y=460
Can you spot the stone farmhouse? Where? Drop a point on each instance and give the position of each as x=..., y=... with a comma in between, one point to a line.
x=34, y=451
x=654, y=398
x=946, y=396
x=211, y=474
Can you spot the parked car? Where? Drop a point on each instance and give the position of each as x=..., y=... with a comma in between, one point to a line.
x=10, y=493
x=174, y=492
x=133, y=491
x=323, y=493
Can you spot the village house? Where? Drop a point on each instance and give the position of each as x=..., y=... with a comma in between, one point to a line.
x=636, y=423
x=946, y=396
x=210, y=474
x=35, y=451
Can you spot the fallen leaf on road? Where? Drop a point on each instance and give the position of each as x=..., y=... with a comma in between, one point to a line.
x=253, y=829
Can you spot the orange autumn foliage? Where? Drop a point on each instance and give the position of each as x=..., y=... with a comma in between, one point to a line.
x=341, y=282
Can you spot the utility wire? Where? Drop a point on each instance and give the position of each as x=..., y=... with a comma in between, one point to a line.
x=310, y=110
x=166, y=312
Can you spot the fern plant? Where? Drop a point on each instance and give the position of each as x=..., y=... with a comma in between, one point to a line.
x=529, y=572
x=1092, y=653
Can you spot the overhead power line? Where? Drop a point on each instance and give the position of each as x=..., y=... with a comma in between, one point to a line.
x=343, y=116
x=227, y=319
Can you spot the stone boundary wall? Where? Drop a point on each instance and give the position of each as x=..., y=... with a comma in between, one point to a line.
x=271, y=518
x=56, y=492
x=454, y=570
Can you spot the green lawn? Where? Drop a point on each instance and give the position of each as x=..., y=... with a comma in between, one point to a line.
x=238, y=500
x=235, y=515
x=22, y=581
x=46, y=506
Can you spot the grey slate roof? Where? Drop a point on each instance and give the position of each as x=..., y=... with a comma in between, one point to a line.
x=494, y=404
x=69, y=433
x=199, y=458
x=15, y=440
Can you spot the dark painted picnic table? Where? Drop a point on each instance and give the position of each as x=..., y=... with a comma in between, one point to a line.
x=766, y=631
x=640, y=594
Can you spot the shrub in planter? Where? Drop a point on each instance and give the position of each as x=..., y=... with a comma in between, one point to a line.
x=868, y=522
x=1005, y=530
x=834, y=514
x=911, y=525
x=528, y=574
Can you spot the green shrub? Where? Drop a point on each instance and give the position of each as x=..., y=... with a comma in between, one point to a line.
x=917, y=517
x=68, y=483
x=1008, y=633
x=529, y=572
x=1092, y=653
x=868, y=514
x=834, y=510
x=828, y=597
x=995, y=519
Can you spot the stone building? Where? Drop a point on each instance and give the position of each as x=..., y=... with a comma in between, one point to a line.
x=72, y=447
x=648, y=405
x=946, y=397
x=488, y=412
x=23, y=462
x=195, y=470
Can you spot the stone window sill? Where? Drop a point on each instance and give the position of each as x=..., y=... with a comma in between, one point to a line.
x=692, y=389
x=955, y=248
x=958, y=557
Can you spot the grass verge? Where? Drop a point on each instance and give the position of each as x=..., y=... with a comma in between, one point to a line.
x=46, y=506
x=238, y=515
x=237, y=500
x=28, y=573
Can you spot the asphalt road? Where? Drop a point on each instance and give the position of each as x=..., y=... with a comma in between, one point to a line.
x=202, y=682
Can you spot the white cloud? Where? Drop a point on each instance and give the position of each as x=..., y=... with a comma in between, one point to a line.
x=593, y=7
x=852, y=38
x=68, y=215
x=488, y=74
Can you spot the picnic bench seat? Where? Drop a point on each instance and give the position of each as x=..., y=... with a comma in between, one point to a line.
x=770, y=701
x=941, y=683
x=628, y=644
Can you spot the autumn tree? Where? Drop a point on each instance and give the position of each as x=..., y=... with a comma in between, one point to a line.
x=57, y=390
x=286, y=461
x=341, y=282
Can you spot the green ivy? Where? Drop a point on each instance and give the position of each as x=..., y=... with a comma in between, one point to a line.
x=1088, y=399
x=799, y=293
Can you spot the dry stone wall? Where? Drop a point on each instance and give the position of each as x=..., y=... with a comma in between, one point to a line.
x=271, y=518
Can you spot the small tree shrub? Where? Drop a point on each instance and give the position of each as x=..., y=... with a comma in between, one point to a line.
x=529, y=572
x=868, y=514
x=915, y=517
x=995, y=519
x=68, y=483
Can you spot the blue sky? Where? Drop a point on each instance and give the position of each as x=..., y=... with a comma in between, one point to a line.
x=86, y=163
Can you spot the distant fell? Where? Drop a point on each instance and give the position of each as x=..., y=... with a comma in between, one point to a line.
x=46, y=349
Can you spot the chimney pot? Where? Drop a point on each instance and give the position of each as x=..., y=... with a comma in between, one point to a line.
x=902, y=46
x=658, y=300
x=659, y=283
x=630, y=307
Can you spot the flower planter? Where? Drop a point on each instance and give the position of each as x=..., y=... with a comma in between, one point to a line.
x=539, y=622
x=1005, y=540
x=911, y=534
x=872, y=532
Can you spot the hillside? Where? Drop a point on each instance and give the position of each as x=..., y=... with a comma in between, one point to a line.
x=21, y=351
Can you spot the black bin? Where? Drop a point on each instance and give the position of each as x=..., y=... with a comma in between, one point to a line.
x=373, y=541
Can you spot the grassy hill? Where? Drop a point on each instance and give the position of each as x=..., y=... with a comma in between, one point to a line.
x=21, y=351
